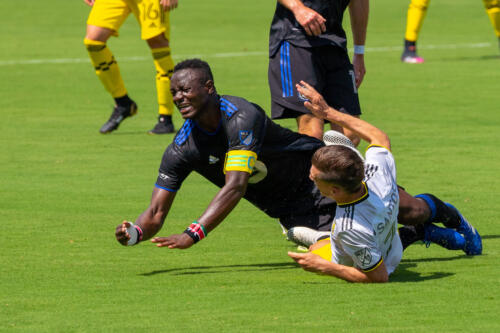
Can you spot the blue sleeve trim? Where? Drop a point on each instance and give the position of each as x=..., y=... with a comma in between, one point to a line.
x=165, y=188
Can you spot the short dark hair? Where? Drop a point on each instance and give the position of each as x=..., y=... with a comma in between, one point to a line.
x=197, y=64
x=340, y=166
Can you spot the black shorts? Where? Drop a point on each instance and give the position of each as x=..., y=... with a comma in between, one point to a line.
x=313, y=211
x=326, y=68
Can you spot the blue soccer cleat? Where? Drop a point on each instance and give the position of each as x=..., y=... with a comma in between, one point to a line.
x=473, y=243
x=447, y=238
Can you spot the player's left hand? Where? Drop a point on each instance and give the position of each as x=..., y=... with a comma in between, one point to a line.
x=168, y=5
x=180, y=241
x=358, y=62
x=308, y=261
x=315, y=102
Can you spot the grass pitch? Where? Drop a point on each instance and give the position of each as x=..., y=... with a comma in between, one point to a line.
x=64, y=187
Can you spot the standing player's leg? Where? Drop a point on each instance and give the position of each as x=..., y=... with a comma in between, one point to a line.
x=155, y=29
x=415, y=17
x=287, y=67
x=340, y=91
x=104, y=20
x=310, y=125
x=493, y=11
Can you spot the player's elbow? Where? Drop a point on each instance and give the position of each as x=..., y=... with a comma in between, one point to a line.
x=380, y=138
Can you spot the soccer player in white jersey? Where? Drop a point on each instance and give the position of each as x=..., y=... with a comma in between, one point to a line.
x=364, y=244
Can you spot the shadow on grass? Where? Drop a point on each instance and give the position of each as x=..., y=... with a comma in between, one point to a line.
x=490, y=236
x=223, y=269
x=138, y=132
x=404, y=274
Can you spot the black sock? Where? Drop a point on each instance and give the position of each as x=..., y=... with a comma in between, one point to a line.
x=163, y=118
x=440, y=212
x=123, y=101
x=410, y=234
x=411, y=46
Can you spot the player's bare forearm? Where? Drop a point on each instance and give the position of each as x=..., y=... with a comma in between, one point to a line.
x=314, y=263
x=358, y=10
x=312, y=22
x=318, y=106
x=223, y=203
x=151, y=220
x=226, y=199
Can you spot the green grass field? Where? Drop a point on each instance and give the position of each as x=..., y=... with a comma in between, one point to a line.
x=64, y=187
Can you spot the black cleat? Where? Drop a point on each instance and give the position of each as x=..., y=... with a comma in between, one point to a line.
x=409, y=55
x=164, y=126
x=118, y=115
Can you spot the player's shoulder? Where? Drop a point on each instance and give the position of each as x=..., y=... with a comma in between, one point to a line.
x=234, y=105
x=184, y=133
x=358, y=216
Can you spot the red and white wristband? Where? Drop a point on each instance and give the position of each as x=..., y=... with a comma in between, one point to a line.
x=135, y=233
x=196, y=231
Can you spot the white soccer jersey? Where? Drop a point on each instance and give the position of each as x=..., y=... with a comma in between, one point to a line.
x=364, y=232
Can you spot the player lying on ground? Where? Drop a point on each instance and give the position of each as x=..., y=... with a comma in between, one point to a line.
x=364, y=244
x=232, y=143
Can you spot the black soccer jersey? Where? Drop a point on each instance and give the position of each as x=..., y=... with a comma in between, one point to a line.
x=246, y=140
x=285, y=27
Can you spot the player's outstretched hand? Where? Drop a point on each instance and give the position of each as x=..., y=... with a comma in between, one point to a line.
x=168, y=5
x=309, y=261
x=312, y=22
x=89, y=2
x=315, y=102
x=180, y=241
x=121, y=233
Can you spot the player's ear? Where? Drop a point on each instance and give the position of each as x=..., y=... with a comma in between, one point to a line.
x=209, y=85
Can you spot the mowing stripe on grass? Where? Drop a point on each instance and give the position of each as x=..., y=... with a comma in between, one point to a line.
x=234, y=54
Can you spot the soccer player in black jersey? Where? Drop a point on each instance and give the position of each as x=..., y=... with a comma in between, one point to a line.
x=307, y=42
x=233, y=144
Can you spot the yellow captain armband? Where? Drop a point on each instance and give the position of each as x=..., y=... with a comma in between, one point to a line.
x=240, y=160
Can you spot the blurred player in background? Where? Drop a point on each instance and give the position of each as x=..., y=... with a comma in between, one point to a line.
x=307, y=42
x=104, y=21
x=364, y=245
x=233, y=144
x=415, y=19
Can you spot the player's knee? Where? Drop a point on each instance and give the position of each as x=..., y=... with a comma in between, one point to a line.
x=413, y=212
x=420, y=4
x=310, y=125
x=489, y=4
x=93, y=45
x=158, y=41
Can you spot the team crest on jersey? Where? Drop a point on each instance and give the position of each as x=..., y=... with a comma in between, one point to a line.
x=364, y=256
x=246, y=137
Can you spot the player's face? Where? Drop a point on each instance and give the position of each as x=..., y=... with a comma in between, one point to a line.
x=189, y=94
x=324, y=187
